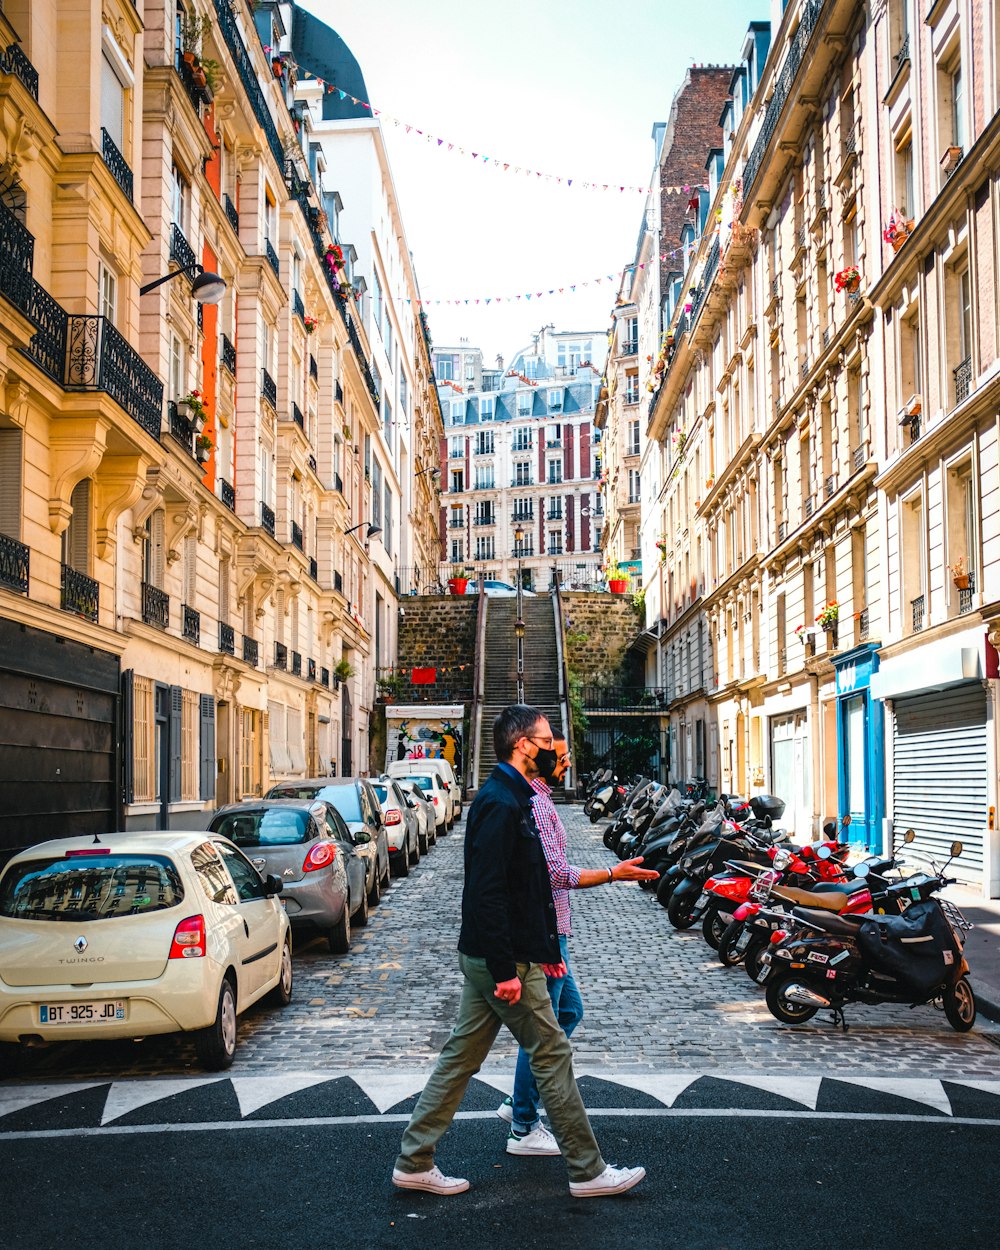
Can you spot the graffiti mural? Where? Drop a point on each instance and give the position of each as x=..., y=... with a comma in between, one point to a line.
x=423, y=731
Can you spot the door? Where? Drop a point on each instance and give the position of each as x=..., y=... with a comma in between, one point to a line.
x=258, y=945
x=347, y=729
x=856, y=783
x=790, y=771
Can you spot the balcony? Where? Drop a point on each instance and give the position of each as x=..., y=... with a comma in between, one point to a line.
x=631, y=397
x=181, y=250
x=298, y=308
x=314, y=568
x=324, y=677
x=297, y=416
x=280, y=655
x=268, y=388
x=296, y=664
x=338, y=582
x=116, y=163
x=180, y=427
x=98, y=358
x=231, y=213
x=624, y=698
x=359, y=352
x=228, y=356
x=523, y=515
x=272, y=258
x=251, y=651
x=227, y=639
x=13, y=61
x=808, y=506
x=965, y=594
x=296, y=537
x=830, y=486
x=962, y=373
x=226, y=16
x=79, y=593
x=267, y=519
x=338, y=392
x=917, y=613
x=191, y=624
x=14, y=561
x=901, y=57
x=863, y=625
x=485, y=520
x=455, y=523
x=227, y=493
x=155, y=606
x=630, y=347
x=313, y=368
x=554, y=514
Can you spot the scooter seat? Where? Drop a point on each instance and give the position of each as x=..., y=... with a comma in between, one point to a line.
x=806, y=898
x=830, y=922
x=839, y=887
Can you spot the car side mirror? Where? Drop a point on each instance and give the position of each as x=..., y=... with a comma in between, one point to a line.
x=362, y=839
x=272, y=885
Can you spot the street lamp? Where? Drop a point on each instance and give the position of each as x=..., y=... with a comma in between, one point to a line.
x=519, y=623
x=207, y=288
x=432, y=470
x=372, y=529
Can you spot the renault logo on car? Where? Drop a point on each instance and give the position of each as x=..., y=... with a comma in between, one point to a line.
x=80, y=945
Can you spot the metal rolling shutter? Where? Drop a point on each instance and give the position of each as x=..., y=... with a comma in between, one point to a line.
x=939, y=773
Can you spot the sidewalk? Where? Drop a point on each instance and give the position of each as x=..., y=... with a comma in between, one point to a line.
x=982, y=949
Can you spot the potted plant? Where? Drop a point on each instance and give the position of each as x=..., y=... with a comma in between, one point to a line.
x=848, y=280
x=617, y=578
x=389, y=686
x=661, y=546
x=343, y=670
x=897, y=230
x=192, y=408
x=960, y=574
x=203, y=448
x=827, y=618
x=310, y=323
x=459, y=583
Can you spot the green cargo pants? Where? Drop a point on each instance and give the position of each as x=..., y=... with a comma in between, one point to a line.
x=532, y=1023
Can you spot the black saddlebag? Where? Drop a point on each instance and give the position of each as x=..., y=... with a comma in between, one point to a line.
x=918, y=948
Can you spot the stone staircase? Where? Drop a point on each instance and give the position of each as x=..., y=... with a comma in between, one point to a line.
x=541, y=666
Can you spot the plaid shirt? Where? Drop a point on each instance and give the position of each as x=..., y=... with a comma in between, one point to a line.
x=563, y=876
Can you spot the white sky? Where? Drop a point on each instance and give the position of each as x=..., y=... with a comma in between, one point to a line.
x=569, y=87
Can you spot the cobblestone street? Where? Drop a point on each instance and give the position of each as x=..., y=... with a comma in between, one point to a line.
x=657, y=1001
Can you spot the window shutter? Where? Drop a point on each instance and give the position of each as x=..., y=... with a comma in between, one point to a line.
x=174, y=727
x=206, y=747
x=76, y=540
x=126, y=735
x=190, y=569
x=156, y=527
x=10, y=483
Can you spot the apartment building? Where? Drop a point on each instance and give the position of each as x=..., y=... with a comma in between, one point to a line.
x=187, y=601
x=521, y=455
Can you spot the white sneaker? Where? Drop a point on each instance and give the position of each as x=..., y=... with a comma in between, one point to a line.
x=432, y=1182
x=506, y=1111
x=538, y=1142
x=611, y=1181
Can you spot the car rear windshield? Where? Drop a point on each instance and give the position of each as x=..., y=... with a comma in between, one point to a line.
x=273, y=826
x=425, y=783
x=89, y=887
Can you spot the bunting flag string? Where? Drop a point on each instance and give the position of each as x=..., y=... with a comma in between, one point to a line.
x=494, y=162
x=570, y=288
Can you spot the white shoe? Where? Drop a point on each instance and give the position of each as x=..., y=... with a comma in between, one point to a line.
x=611, y=1181
x=432, y=1182
x=538, y=1142
x=506, y=1111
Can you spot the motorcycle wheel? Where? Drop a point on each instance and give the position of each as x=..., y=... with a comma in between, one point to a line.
x=783, y=1010
x=728, y=954
x=665, y=889
x=679, y=910
x=960, y=1005
x=751, y=959
x=610, y=839
x=712, y=929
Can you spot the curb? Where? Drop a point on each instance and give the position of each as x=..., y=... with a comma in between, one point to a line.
x=987, y=1001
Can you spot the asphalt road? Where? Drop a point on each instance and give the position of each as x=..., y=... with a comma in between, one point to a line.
x=714, y=1182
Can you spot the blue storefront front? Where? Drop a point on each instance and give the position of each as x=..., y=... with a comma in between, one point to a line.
x=860, y=746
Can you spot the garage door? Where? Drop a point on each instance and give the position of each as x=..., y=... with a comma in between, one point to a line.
x=939, y=773
x=58, y=737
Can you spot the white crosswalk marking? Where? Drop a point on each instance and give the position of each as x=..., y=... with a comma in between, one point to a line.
x=126, y=1096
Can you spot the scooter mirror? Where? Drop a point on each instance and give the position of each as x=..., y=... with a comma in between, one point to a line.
x=861, y=870
x=845, y=821
x=908, y=836
x=956, y=850
x=824, y=852
x=830, y=828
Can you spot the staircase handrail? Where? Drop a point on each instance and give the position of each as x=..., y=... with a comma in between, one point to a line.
x=563, y=671
x=478, y=691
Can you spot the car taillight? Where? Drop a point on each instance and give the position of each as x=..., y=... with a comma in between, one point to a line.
x=320, y=855
x=777, y=936
x=189, y=939
x=90, y=850
x=434, y=799
x=393, y=816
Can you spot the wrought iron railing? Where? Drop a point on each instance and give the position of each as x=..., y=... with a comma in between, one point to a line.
x=851, y=141
x=296, y=664
x=117, y=164
x=267, y=519
x=313, y=368
x=15, y=559
x=99, y=358
x=181, y=250
x=227, y=493
x=863, y=625
x=782, y=90
x=830, y=485
x=782, y=531
x=311, y=669
x=79, y=593
x=338, y=482
x=808, y=506
x=366, y=372
x=901, y=56
x=155, y=606
x=231, y=213
x=965, y=594
x=13, y=61
x=917, y=612
x=338, y=392
x=228, y=355
x=17, y=254
x=314, y=568
x=297, y=415
x=296, y=535
x=298, y=308
x=324, y=677
x=280, y=655
x=272, y=258
x=251, y=651
x=708, y=273
x=858, y=457
x=227, y=638
x=248, y=77
x=48, y=344
x=194, y=92
x=629, y=347
x=962, y=374
x=179, y=427
x=624, y=698
x=191, y=624
x=268, y=388
x=338, y=582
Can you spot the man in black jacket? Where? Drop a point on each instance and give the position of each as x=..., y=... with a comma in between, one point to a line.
x=507, y=945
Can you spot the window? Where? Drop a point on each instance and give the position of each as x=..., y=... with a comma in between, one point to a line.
x=444, y=368
x=484, y=477
x=632, y=387
x=457, y=552
x=521, y=438
x=404, y=399
x=555, y=400
x=904, y=175
x=246, y=878
x=107, y=292
x=270, y=221
x=554, y=472
x=387, y=522
x=487, y=408
x=456, y=447
x=10, y=481
x=458, y=413
x=523, y=510
x=963, y=523
x=484, y=512
x=456, y=517
x=555, y=543
x=485, y=547
x=180, y=200
x=376, y=493
x=76, y=535
x=958, y=108
x=189, y=746
x=250, y=752
x=630, y=335
x=522, y=474
x=524, y=404
x=633, y=486
x=457, y=481
x=377, y=309
x=914, y=563
x=484, y=443
x=553, y=436
x=113, y=85
x=632, y=449
x=965, y=315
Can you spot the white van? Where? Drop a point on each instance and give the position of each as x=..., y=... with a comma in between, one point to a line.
x=407, y=768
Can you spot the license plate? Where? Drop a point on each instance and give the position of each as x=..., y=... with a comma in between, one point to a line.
x=702, y=899
x=763, y=974
x=81, y=1013
x=743, y=941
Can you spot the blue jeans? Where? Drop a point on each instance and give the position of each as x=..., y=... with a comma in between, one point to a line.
x=567, y=1006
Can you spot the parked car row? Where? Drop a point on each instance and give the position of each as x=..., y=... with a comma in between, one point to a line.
x=134, y=934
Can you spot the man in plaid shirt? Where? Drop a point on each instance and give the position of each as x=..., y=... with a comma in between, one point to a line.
x=528, y=1136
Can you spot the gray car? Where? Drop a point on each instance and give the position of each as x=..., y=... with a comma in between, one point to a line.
x=401, y=822
x=308, y=847
x=357, y=802
x=421, y=805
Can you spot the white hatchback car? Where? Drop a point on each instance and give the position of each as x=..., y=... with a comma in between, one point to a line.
x=129, y=934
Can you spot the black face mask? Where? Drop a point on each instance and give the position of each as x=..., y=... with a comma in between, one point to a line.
x=546, y=761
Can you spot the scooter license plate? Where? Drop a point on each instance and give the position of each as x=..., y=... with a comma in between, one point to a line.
x=765, y=969
x=743, y=941
x=701, y=904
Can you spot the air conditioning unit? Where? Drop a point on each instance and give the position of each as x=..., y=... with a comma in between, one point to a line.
x=950, y=159
x=910, y=411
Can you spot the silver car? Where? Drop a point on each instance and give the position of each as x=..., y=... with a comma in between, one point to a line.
x=424, y=809
x=437, y=794
x=401, y=823
x=308, y=847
